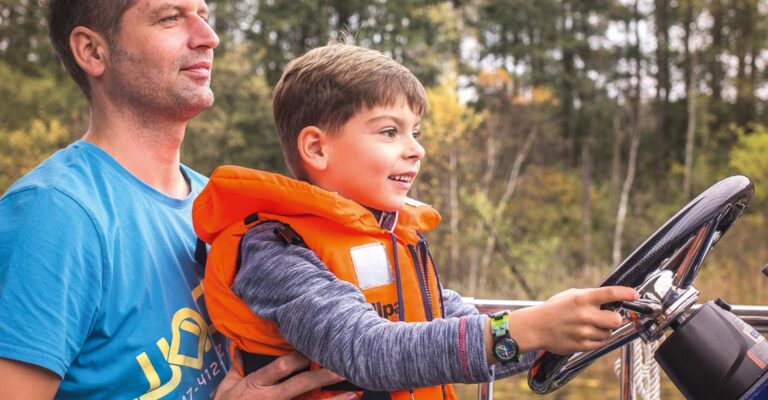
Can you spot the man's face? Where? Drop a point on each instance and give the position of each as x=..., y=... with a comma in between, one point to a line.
x=374, y=157
x=161, y=59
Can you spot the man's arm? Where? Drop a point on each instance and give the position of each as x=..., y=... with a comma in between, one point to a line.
x=24, y=381
x=264, y=383
x=49, y=287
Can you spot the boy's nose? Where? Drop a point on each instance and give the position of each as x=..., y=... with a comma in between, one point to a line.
x=414, y=149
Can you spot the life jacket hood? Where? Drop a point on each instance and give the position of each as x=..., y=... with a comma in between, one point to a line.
x=229, y=197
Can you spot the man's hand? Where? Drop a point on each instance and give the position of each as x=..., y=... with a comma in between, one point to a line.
x=264, y=383
x=570, y=321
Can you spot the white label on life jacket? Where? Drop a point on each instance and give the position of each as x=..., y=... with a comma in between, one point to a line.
x=413, y=202
x=371, y=265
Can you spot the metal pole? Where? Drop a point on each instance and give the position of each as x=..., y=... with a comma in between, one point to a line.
x=627, y=371
x=485, y=391
x=757, y=316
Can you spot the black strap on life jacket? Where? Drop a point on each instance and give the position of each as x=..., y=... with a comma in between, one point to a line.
x=201, y=252
x=253, y=362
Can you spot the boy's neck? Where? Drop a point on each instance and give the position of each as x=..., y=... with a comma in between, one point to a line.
x=386, y=219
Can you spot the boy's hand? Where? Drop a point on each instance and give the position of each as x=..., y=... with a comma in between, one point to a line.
x=264, y=383
x=570, y=321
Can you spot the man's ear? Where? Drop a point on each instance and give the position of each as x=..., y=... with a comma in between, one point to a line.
x=311, y=146
x=89, y=49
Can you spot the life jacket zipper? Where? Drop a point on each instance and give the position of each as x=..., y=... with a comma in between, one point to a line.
x=421, y=269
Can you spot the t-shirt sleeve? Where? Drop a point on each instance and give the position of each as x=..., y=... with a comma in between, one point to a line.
x=50, y=277
x=329, y=320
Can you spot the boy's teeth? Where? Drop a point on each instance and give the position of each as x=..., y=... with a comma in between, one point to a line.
x=400, y=178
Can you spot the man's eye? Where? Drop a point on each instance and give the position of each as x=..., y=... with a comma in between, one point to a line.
x=170, y=18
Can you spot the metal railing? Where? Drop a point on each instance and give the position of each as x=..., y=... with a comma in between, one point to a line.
x=757, y=316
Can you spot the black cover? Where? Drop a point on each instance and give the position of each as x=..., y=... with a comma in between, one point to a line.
x=706, y=356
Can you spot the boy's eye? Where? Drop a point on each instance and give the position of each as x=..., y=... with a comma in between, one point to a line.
x=391, y=132
x=416, y=134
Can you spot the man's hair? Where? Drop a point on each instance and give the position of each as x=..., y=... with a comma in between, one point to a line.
x=329, y=85
x=102, y=16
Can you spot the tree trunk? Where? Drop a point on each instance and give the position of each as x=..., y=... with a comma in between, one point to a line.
x=498, y=210
x=663, y=86
x=567, y=80
x=690, y=89
x=621, y=213
x=618, y=140
x=491, y=154
x=715, y=67
x=745, y=90
x=586, y=203
x=453, y=206
x=634, y=102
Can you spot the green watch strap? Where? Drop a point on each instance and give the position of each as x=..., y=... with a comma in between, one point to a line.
x=500, y=324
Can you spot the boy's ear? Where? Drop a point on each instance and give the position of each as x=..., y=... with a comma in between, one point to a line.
x=311, y=146
x=89, y=49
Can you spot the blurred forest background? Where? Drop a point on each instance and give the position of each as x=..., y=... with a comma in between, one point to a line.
x=560, y=133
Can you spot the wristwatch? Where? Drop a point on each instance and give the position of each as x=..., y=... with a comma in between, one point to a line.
x=505, y=349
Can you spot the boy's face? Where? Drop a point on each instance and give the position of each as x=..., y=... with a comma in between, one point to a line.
x=374, y=158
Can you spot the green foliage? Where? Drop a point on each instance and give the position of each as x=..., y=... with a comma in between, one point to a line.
x=238, y=129
x=495, y=71
x=23, y=149
x=750, y=157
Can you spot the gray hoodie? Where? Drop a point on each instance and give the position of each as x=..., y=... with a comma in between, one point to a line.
x=329, y=321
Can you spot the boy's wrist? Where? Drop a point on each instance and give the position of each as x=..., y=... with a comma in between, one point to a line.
x=523, y=331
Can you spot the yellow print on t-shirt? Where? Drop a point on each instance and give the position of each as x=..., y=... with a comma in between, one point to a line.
x=187, y=323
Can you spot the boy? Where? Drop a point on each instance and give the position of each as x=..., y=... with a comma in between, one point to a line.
x=334, y=263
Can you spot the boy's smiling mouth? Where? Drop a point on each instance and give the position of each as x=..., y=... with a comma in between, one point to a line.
x=407, y=178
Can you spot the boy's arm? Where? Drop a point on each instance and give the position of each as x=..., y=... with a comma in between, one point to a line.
x=329, y=320
x=455, y=306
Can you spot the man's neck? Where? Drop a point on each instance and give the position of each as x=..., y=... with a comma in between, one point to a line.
x=148, y=149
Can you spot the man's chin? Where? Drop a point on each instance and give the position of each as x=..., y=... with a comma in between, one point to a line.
x=194, y=106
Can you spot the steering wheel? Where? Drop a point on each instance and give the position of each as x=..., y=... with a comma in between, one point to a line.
x=675, y=251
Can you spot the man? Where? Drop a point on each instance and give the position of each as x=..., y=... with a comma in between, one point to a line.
x=99, y=289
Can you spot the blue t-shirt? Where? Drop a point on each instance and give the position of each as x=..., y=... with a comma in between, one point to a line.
x=99, y=284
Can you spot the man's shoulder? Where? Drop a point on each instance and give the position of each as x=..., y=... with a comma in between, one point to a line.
x=63, y=171
x=71, y=185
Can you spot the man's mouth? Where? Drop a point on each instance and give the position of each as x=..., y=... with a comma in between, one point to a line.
x=206, y=65
x=198, y=70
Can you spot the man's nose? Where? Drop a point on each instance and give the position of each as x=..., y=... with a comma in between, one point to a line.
x=203, y=35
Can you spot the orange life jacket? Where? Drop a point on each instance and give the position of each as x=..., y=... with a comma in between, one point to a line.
x=237, y=198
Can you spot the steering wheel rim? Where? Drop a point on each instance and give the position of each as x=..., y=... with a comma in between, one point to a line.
x=710, y=214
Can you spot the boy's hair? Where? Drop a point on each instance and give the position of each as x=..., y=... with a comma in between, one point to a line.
x=329, y=85
x=102, y=16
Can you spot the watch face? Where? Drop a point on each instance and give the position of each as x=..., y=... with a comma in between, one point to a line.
x=505, y=350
